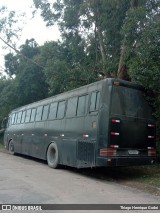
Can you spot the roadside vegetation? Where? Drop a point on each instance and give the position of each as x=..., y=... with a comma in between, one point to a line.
x=1, y=141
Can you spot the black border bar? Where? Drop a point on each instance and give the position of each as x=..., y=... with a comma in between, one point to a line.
x=39, y=207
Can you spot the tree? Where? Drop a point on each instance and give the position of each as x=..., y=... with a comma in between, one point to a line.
x=142, y=48
x=10, y=22
x=66, y=67
x=30, y=82
x=97, y=22
x=7, y=97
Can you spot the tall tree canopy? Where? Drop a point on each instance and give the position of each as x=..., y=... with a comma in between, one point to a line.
x=96, y=22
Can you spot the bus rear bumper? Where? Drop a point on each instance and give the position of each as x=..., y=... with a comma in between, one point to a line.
x=125, y=161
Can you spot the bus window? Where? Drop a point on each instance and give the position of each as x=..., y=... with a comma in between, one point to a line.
x=61, y=109
x=71, y=107
x=23, y=117
x=13, y=116
x=39, y=113
x=33, y=113
x=130, y=102
x=15, y=119
x=28, y=114
x=53, y=111
x=82, y=105
x=45, y=112
x=94, y=104
x=19, y=117
x=9, y=121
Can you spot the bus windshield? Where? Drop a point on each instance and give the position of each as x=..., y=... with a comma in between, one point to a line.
x=130, y=102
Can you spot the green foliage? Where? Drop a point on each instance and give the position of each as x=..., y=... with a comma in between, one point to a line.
x=142, y=39
x=11, y=64
x=96, y=22
x=7, y=97
x=27, y=83
x=30, y=85
x=65, y=66
x=10, y=23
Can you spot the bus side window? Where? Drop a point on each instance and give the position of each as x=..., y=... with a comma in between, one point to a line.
x=9, y=121
x=13, y=116
x=45, y=112
x=71, y=107
x=82, y=105
x=53, y=111
x=15, y=119
x=28, y=114
x=94, y=102
x=39, y=113
x=33, y=113
x=61, y=109
x=19, y=117
x=23, y=117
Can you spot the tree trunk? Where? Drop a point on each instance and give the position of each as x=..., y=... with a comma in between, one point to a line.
x=122, y=68
x=100, y=38
x=134, y=3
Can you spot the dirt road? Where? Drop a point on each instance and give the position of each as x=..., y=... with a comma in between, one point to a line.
x=26, y=180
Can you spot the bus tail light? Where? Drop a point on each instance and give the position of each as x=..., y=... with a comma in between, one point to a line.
x=107, y=152
x=116, y=83
x=114, y=146
x=151, y=125
x=150, y=148
x=152, y=152
x=115, y=121
x=151, y=136
x=114, y=133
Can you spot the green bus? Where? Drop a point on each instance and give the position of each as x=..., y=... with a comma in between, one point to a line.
x=106, y=123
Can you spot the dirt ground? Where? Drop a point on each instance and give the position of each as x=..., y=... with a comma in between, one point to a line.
x=143, y=178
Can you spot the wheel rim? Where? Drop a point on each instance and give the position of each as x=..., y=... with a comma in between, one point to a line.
x=11, y=147
x=52, y=155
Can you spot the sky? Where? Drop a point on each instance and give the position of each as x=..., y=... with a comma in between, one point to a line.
x=33, y=28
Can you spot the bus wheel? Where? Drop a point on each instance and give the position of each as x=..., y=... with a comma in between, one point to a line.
x=52, y=156
x=11, y=147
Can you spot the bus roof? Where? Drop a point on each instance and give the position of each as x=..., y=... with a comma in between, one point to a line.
x=109, y=81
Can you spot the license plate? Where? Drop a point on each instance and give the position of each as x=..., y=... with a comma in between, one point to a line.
x=133, y=152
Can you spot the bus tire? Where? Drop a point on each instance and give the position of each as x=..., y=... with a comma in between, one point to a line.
x=11, y=147
x=53, y=156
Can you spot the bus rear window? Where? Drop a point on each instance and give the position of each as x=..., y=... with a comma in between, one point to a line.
x=129, y=102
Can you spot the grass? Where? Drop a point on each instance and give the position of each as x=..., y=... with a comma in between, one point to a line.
x=149, y=174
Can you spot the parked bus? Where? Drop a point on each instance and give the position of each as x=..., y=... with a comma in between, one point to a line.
x=106, y=123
